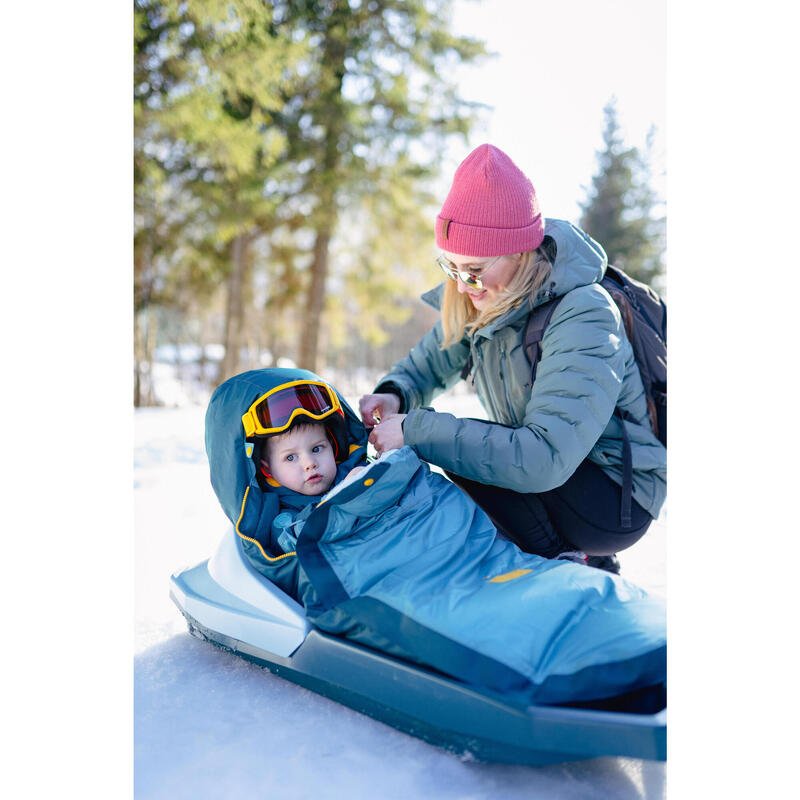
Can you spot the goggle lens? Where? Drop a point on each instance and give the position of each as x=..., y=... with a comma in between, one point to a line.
x=276, y=410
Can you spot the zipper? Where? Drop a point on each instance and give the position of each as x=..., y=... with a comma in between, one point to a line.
x=479, y=367
x=474, y=358
x=509, y=408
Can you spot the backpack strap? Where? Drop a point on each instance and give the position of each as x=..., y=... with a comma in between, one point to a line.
x=624, y=306
x=538, y=320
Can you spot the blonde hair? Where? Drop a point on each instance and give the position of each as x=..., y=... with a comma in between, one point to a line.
x=460, y=317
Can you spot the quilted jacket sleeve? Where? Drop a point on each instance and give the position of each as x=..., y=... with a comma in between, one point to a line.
x=426, y=371
x=578, y=381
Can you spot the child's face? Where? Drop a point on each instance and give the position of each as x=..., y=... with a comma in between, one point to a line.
x=302, y=460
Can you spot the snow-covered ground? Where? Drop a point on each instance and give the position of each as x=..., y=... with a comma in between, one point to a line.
x=209, y=725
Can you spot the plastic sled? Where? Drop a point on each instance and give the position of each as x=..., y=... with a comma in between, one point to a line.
x=228, y=603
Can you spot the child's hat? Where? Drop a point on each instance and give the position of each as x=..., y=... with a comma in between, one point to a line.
x=491, y=209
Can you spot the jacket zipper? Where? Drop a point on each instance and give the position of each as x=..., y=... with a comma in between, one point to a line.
x=479, y=366
x=509, y=407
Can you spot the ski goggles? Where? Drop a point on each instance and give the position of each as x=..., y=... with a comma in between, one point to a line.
x=468, y=278
x=275, y=411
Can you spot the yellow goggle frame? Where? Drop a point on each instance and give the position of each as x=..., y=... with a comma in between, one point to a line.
x=253, y=426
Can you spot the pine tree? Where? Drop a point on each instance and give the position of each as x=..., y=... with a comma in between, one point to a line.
x=620, y=208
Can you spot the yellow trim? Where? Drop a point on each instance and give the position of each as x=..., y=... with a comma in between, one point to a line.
x=250, y=420
x=353, y=448
x=369, y=482
x=254, y=541
x=509, y=576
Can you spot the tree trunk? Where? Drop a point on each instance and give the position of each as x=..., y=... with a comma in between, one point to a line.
x=234, y=310
x=150, y=344
x=142, y=338
x=315, y=303
x=144, y=335
x=138, y=350
x=333, y=57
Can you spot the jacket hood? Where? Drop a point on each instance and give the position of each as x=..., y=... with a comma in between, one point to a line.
x=580, y=261
x=233, y=470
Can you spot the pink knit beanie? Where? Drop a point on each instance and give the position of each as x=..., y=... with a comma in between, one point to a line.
x=491, y=210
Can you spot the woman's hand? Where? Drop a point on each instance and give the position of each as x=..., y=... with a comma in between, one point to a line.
x=376, y=407
x=388, y=435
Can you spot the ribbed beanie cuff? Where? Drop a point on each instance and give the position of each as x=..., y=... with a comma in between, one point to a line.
x=491, y=209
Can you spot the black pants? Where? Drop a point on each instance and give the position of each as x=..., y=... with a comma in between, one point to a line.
x=582, y=514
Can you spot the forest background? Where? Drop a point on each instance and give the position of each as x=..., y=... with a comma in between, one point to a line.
x=289, y=158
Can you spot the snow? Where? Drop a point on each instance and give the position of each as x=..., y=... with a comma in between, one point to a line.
x=210, y=725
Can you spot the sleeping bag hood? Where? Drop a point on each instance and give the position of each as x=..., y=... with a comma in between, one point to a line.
x=249, y=503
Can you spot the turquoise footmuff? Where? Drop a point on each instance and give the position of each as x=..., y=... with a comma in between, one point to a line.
x=400, y=560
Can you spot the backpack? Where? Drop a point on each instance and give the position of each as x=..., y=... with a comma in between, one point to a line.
x=644, y=315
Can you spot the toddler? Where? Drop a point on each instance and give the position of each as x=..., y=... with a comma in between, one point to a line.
x=302, y=450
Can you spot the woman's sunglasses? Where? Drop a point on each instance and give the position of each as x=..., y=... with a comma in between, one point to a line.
x=467, y=277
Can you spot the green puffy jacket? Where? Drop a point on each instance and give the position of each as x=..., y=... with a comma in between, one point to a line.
x=545, y=431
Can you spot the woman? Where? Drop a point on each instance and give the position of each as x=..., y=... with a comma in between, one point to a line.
x=548, y=468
